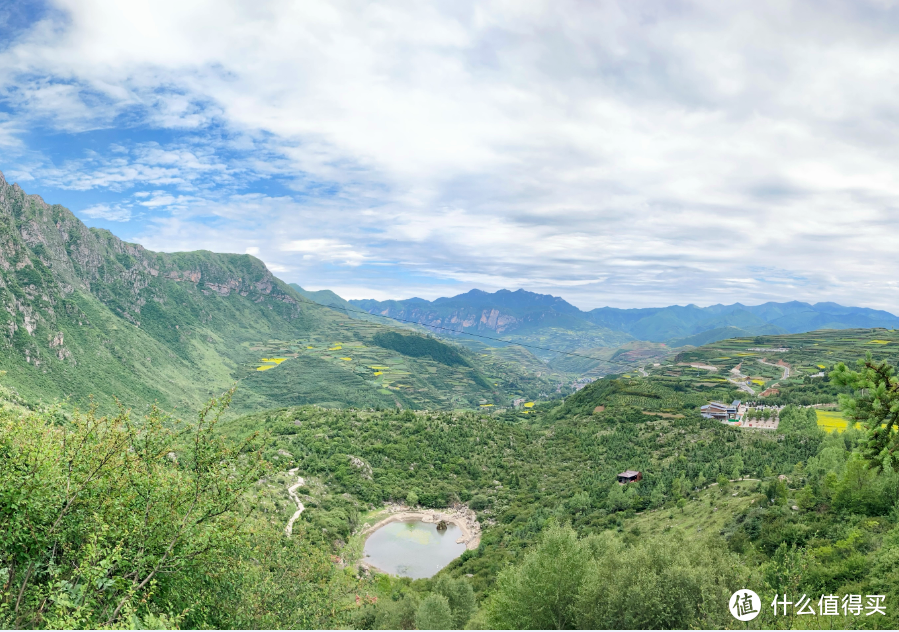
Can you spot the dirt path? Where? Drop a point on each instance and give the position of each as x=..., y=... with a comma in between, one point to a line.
x=743, y=386
x=697, y=365
x=780, y=365
x=292, y=492
x=464, y=518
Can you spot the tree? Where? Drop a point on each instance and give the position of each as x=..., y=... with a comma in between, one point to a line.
x=875, y=405
x=723, y=484
x=460, y=596
x=540, y=593
x=396, y=615
x=412, y=498
x=617, y=500
x=701, y=480
x=434, y=613
x=478, y=502
x=598, y=582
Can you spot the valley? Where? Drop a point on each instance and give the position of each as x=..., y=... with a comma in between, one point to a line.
x=567, y=448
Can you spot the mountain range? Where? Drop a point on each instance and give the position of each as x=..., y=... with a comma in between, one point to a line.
x=521, y=315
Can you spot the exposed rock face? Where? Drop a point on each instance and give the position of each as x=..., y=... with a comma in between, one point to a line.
x=57, y=277
x=362, y=465
x=48, y=253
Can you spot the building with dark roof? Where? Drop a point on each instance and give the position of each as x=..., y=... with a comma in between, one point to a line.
x=722, y=412
x=630, y=476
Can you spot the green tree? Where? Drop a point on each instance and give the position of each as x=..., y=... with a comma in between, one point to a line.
x=397, y=615
x=875, y=405
x=723, y=484
x=541, y=592
x=460, y=597
x=617, y=500
x=434, y=613
x=701, y=480
x=412, y=498
x=598, y=582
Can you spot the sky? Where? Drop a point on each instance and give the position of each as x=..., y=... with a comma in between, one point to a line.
x=626, y=153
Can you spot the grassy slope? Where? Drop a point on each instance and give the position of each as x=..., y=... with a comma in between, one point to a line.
x=83, y=313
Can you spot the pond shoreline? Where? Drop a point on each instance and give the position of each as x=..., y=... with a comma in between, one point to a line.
x=463, y=517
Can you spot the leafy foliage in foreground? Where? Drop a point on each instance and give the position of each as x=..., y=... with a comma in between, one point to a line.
x=108, y=521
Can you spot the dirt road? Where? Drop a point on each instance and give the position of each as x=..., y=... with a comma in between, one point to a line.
x=292, y=492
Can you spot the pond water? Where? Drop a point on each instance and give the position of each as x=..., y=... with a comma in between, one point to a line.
x=413, y=549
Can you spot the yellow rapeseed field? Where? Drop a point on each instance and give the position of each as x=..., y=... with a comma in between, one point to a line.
x=529, y=404
x=832, y=420
x=266, y=367
x=878, y=342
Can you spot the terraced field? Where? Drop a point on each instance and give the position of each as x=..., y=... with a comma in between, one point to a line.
x=362, y=373
x=762, y=362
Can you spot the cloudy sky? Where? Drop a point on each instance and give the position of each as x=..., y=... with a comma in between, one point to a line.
x=614, y=153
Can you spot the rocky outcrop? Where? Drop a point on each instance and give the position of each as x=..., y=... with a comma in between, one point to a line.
x=361, y=465
x=47, y=254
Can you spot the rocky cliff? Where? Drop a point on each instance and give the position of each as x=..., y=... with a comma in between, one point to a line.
x=72, y=296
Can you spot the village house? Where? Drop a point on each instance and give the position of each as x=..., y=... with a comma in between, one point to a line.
x=630, y=476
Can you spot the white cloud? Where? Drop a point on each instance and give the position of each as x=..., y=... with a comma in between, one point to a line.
x=329, y=250
x=112, y=213
x=617, y=152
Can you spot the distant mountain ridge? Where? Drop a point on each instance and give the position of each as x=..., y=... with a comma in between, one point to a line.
x=512, y=313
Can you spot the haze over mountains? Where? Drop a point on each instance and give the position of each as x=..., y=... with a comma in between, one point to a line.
x=522, y=314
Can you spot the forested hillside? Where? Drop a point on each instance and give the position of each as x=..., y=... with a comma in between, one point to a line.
x=86, y=314
x=719, y=507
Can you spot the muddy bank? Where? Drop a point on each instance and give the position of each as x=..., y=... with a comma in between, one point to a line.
x=462, y=517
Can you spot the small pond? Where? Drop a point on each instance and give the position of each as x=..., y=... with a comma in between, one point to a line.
x=413, y=549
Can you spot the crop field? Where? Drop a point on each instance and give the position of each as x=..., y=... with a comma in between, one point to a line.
x=832, y=420
x=809, y=358
x=380, y=377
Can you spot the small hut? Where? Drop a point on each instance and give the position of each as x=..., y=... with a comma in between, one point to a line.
x=630, y=476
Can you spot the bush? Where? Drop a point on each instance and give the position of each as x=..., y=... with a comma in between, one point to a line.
x=479, y=502
x=434, y=614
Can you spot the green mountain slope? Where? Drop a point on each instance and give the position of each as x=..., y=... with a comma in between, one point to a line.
x=83, y=313
x=523, y=316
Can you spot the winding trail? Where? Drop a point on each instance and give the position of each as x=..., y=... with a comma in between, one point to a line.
x=292, y=492
x=779, y=366
x=740, y=381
